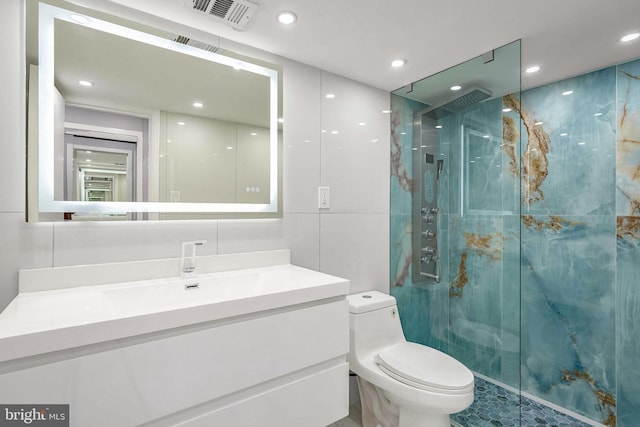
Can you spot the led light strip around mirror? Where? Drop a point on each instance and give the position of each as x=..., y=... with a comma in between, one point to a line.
x=48, y=14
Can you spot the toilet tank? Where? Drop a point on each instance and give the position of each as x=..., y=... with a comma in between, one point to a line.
x=374, y=323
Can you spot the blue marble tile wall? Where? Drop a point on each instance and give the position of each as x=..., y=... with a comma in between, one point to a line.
x=540, y=238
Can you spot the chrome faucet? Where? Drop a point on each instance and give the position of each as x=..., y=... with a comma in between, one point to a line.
x=188, y=258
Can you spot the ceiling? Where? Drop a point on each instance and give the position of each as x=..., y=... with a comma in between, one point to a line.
x=359, y=38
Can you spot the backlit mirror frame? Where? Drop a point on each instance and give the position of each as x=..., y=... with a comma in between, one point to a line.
x=48, y=14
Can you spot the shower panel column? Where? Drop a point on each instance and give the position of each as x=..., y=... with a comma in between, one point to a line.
x=427, y=170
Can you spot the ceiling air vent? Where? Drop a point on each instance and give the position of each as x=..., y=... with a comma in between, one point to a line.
x=236, y=13
x=196, y=43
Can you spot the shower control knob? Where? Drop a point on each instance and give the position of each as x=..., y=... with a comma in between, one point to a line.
x=429, y=251
x=424, y=210
x=425, y=259
x=428, y=218
x=434, y=210
x=429, y=234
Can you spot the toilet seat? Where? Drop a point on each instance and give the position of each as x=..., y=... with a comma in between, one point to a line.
x=425, y=368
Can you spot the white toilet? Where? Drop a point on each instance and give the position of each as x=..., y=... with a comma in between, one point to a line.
x=402, y=384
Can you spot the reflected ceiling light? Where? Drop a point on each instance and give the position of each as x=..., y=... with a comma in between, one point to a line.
x=564, y=134
x=88, y=160
x=335, y=132
x=439, y=127
x=287, y=17
x=486, y=136
x=330, y=95
x=198, y=104
x=362, y=124
x=280, y=120
x=86, y=83
x=386, y=111
x=455, y=87
x=533, y=69
x=79, y=19
x=254, y=134
x=397, y=63
x=630, y=37
x=506, y=110
x=597, y=114
x=537, y=123
x=181, y=123
x=581, y=143
x=567, y=92
x=229, y=147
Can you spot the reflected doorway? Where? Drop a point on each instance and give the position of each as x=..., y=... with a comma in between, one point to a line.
x=99, y=169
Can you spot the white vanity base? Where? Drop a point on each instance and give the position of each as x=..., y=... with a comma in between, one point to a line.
x=277, y=366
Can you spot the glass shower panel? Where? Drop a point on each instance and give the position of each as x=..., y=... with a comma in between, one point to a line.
x=458, y=288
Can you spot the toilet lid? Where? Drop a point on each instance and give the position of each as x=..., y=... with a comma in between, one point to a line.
x=424, y=366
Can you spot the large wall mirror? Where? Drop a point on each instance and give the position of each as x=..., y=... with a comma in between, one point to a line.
x=126, y=124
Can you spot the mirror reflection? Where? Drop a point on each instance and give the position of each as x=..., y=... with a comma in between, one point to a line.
x=133, y=122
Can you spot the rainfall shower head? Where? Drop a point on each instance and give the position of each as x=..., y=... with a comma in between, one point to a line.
x=468, y=97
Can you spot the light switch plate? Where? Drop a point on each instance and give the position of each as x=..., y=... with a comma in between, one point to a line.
x=324, y=198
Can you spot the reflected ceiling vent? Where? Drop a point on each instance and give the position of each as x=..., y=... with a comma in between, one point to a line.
x=236, y=13
x=195, y=43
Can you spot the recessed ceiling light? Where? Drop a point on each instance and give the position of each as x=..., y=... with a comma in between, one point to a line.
x=198, y=104
x=85, y=83
x=567, y=92
x=630, y=37
x=287, y=17
x=533, y=69
x=455, y=87
x=396, y=63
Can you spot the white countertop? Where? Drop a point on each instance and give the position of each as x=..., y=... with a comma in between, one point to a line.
x=52, y=320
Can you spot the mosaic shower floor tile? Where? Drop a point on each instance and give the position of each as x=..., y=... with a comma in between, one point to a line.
x=494, y=406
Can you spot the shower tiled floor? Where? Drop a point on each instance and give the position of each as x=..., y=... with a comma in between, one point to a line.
x=493, y=406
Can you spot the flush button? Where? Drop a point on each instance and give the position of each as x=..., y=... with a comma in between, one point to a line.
x=366, y=296
x=394, y=312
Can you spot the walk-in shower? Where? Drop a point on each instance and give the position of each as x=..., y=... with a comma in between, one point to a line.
x=515, y=243
x=428, y=166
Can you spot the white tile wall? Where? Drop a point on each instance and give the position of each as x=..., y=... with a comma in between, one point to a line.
x=356, y=246
x=100, y=242
x=355, y=146
x=350, y=239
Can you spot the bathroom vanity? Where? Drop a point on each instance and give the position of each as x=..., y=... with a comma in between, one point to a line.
x=250, y=341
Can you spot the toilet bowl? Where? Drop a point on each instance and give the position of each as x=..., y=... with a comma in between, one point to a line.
x=402, y=384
